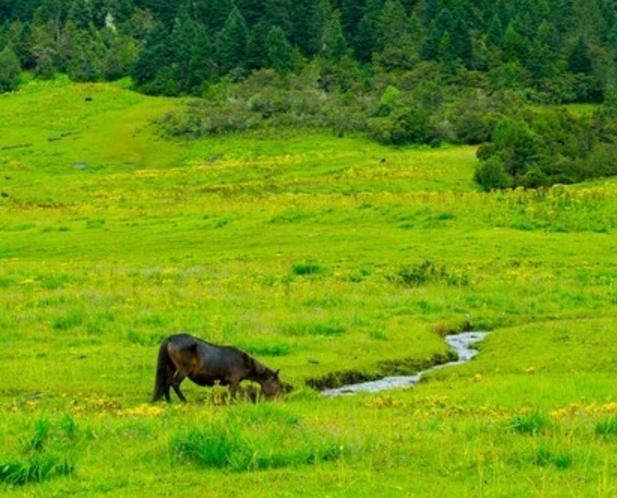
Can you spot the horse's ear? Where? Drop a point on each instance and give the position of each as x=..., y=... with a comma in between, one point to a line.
x=276, y=374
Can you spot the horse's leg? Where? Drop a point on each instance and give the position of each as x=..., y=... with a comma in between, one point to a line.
x=233, y=389
x=177, y=380
x=168, y=383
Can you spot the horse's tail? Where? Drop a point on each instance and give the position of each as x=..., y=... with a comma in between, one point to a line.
x=162, y=365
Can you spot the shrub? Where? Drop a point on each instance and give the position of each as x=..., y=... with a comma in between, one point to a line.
x=402, y=125
x=491, y=174
x=10, y=70
x=548, y=147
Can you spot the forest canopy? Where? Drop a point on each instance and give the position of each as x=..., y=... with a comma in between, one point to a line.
x=558, y=51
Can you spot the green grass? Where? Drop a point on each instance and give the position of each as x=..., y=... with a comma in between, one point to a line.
x=309, y=252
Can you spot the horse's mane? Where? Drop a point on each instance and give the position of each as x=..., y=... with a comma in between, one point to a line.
x=259, y=368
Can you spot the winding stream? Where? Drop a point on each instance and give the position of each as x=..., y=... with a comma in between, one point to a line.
x=460, y=343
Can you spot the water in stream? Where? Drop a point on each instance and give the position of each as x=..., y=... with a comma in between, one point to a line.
x=460, y=343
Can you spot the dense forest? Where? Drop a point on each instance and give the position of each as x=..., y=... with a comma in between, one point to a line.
x=559, y=49
x=402, y=71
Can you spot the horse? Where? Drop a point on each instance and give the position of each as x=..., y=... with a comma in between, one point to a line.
x=182, y=355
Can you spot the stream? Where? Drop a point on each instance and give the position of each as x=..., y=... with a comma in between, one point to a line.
x=460, y=343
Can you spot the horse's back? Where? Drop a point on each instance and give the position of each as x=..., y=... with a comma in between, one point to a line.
x=207, y=360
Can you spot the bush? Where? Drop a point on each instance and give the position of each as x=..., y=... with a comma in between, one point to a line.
x=10, y=70
x=491, y=174
x=402, y=125
x=547, y=147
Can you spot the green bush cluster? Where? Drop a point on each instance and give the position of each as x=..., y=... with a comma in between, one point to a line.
x=542, y=148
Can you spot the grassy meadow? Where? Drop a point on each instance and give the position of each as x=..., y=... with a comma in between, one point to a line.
x=329, y=258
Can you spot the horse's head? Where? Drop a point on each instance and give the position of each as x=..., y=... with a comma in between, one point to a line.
x=271, y=385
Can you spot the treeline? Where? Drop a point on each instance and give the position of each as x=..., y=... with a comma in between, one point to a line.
x=558, y=50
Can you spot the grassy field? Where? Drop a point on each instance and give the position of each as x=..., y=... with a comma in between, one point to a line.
x=325, y=257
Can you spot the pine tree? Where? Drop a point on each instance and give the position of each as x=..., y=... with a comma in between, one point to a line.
x=278, y=13
x=232, y=43
x=461, y=43
x=201, y=59
x=81, y=14
x=181, y=41
x=494, y=35
x=252, y=10
x=10, y=70
x=119, y=57
x=334, y=43
x=513, y=44
x=444, y=24
x=50, y=10
x=431, y=11
x=85, y=62
x=368, y=39
x=257, y=47
x=308, y=24
x=280, y=52
x=394, y=28
x=164, y=10
x=212, y=13
x=43, y=47
x=542, y=56
x=155, y=54
x=579, y=60
x=351, y=15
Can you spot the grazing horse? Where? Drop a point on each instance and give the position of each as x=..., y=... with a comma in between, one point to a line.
x=182, y=356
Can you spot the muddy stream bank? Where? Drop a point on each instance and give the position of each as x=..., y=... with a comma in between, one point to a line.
x=461, y=344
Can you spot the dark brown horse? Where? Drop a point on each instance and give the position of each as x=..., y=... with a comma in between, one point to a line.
x=182, y=356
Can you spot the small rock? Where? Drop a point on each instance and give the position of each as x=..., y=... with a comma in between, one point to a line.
x=80, y=166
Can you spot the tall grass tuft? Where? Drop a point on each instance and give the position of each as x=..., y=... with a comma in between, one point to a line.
x=309, y=268
x=255, y=439
x=607, y=427
x=545, y=456
x=38, y=439
x=531, y=423
x=36, y=468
